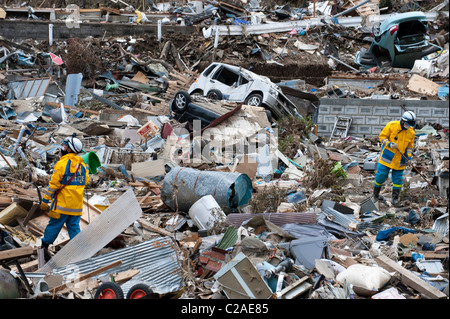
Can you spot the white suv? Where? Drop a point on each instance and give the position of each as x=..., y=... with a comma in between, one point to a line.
x=228, y=82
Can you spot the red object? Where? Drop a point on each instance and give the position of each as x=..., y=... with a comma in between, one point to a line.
x=56, y=59
x=166, y=130
x=393, y=29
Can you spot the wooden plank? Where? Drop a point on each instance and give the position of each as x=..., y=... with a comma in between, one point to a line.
x=147, y=225
x=16, y=253
x=78, y=109
x=410, y=279
x=86, y=276
x=428, y=255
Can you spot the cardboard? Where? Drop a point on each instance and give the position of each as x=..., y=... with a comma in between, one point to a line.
x=247, y=166
x=419, y=84
x=149, y=168
x=147, y=130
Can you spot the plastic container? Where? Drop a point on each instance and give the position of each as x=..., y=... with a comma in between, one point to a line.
x=92, y=161
x=206, y=212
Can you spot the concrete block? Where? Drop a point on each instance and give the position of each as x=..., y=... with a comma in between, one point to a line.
x=320, y=118
x=438, y=112
x=329, y=119
x=372, y=120
x=356, y=120
x=351, y=110
x=323, y=128
x=422, y=112
x=376, y=129
x=379, y=110
x=395, y=111
x=324, y=109
x=337, y=109
x=365, y=110
x=364, y=129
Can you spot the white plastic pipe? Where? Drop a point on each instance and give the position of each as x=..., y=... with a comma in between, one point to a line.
x=159, y=30
x=50, y=34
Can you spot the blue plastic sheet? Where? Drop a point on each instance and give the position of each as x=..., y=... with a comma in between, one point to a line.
x=384, y=235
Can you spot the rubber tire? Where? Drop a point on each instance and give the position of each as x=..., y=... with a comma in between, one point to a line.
x=214, y=95
x=139, y=291
x=109, y=290
x=269, y=116
x=181, y=101
x=254, y=96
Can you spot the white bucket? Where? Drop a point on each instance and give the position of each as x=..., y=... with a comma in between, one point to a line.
x=206, y=212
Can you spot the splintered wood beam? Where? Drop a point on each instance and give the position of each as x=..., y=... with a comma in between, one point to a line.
x=410, y=279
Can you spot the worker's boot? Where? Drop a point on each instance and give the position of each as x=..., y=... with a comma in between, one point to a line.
x=395, y=195
x=376, y=193
x=47, y=255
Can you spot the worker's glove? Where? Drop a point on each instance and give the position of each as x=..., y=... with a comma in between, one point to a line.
x=44, y=206
x=393, y=145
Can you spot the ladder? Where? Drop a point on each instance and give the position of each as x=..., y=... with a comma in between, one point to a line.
x=341, y=127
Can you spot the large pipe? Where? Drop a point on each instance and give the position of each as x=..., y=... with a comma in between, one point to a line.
x=183, y=186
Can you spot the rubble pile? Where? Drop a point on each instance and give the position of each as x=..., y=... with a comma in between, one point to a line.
x=241, y=207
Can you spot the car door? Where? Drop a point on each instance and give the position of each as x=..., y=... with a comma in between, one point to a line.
x=233, y=85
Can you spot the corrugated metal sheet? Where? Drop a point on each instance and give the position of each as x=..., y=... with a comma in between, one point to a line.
x=155, y=259
x=338, y=218
x=31, y=87
x=278, y=219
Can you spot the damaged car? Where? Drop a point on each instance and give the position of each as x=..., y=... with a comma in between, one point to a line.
x=399, y=40
x=222, y=81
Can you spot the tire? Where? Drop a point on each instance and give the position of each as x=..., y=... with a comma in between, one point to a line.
x=269, y=116
x=214, y=95
x=139, y=291
x=181, y=101
x=109, y=290
x=254, y=99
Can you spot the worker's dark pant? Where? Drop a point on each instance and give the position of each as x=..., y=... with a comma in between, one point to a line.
x=54, y=227
x=382, y=175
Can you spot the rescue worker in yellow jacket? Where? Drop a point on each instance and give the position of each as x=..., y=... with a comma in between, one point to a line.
x=397, y=140
x=64, y=194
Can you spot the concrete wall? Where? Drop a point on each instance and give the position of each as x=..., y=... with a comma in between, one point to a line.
x=369, y=116
x=38, y=30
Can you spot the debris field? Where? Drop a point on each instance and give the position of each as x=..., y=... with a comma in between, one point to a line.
x=245, y=205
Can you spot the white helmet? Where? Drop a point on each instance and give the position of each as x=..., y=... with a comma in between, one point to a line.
x=74, y=144
x=409, y=118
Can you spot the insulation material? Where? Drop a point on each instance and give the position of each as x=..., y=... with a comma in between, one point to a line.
x=104, y=228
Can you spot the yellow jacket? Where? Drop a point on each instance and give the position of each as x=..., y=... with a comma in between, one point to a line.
x=69, y=200
x=393, y=133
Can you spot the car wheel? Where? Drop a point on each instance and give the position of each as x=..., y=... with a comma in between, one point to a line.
x=254, y=99
x=181, y=101
x=214, y=95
